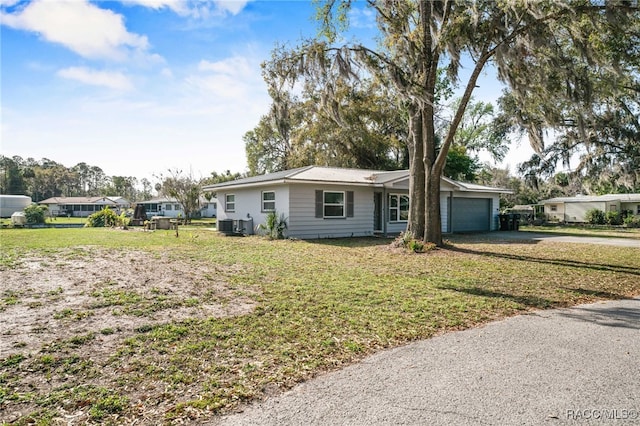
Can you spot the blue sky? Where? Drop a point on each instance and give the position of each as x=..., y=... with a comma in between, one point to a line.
x=137, y=87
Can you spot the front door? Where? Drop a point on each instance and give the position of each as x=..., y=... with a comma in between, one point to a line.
x=377, y=212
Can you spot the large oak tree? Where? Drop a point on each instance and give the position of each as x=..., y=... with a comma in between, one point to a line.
x=417, y=38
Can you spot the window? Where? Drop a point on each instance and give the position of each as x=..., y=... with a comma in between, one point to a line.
x=398, y=208
x=177, y=207
x=268, y=201
x=334, y=204
x=553, y=208
x=167, y=207
x=230, y=202
x=638, y=209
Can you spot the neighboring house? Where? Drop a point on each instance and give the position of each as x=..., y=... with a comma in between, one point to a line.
x=170, y=207
x=208, y=208
x=324, y=202
x=162, y=206
x=83, y=206
x=574, y=209
x=10, y=204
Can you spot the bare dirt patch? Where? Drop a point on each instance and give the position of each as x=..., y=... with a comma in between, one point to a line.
x=91, y=300
x=85, y=290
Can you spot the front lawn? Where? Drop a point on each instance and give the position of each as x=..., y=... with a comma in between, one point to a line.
x=585, y=230
x=163, y=328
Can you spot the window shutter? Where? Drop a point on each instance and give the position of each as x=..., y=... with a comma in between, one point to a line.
x=349, y=203
x=319, y=203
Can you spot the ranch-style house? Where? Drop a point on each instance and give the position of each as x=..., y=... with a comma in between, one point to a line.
x=328, y=202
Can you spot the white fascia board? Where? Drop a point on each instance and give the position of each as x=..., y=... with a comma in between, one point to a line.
x=336, y=183
x=246, y=185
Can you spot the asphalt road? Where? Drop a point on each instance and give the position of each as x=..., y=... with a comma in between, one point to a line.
x=565, y=366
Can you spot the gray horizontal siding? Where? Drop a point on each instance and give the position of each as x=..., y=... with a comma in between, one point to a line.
x=444, y=212
x=303, y=223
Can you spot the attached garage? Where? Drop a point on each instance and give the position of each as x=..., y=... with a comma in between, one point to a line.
x=471, y=214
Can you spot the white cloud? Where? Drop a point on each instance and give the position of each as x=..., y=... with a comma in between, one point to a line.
x=8, y=3
x=362, y=18
x=80, y=26
x=232, y=6
x=166, y=72
x=233, y=78
x=200, y=9
x=178, y=6
x=112, y=80
x=236, y=65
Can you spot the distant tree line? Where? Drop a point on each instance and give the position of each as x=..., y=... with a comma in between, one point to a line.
x=45, y=178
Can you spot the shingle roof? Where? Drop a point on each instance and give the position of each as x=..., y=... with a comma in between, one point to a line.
x=77, y=200
x=269, y=177
x=340, y=175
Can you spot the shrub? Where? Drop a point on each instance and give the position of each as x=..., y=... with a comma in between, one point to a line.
x=35, y=214
x=409, y=242
x=274, y=226
x=105, y=217
x=595, y=217
x=632, y=221
x=123, y=220
x=613, y=218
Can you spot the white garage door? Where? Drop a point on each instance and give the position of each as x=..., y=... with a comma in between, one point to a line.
x=471, y=214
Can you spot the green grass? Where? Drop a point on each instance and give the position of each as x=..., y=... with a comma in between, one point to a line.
x=66, y=220
x=586, y=230
x=321, y=305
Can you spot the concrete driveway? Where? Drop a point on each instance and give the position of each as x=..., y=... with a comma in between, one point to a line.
x=563, y=366
x=630, y=241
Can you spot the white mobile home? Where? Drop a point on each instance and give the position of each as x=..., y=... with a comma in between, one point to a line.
x=162, y=206
x=325, y=202
x=9, y=204
x=170, y=207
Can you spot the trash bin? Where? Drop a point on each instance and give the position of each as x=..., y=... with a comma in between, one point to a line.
x=504, y=221
x=516, y=221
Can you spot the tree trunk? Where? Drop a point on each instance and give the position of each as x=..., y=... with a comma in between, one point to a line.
x=433, y=221
x=416, y=224
x=432, y=173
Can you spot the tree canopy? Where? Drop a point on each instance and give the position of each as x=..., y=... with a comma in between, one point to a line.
x=523, y=40
x=595, y=67
x=183, y=188
x=361, y=127
x=45, y=178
